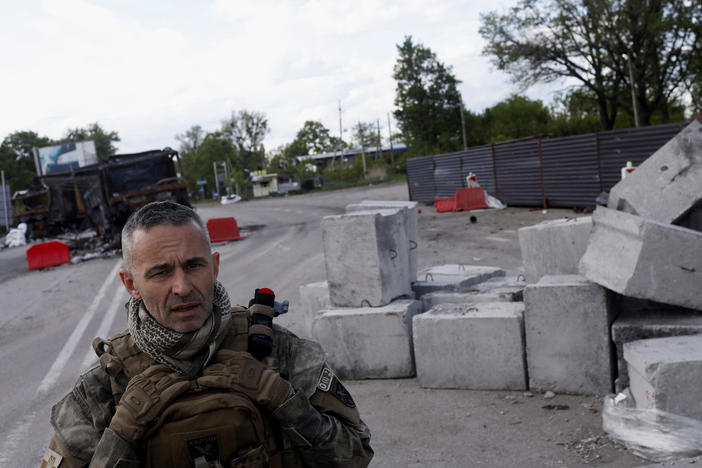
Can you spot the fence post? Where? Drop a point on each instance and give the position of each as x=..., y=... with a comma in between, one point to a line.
x=541, y=169
x=494, y=170
x=599, y=166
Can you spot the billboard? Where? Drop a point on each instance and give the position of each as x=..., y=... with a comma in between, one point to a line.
x=59, y=158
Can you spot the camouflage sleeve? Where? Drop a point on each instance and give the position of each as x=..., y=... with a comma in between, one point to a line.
x=321, y=421
x=80, y=418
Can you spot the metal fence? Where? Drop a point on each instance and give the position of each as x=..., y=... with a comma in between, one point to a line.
x=562, y=172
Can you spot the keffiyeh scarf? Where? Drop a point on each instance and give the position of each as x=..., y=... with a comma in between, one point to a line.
x=186, y=353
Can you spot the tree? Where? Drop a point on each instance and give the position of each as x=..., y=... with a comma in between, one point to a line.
x=215, y=147
x=595, y=42
x=516, y=117
x=17, y=159
x=365, y=134
x=247, y=130
x=191, y=139
x=103, y=139
x=427, y=100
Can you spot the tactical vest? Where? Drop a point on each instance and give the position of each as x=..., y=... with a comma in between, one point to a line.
x=200, y=429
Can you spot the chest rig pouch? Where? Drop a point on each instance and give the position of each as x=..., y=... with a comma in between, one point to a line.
x=203, y=428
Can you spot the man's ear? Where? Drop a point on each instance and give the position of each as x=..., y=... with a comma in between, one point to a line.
x=128, y=282
x=215, y=263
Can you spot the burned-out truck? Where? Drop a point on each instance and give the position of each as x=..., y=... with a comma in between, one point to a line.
x=100, y=196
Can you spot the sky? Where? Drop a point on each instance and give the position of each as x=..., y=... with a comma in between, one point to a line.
x=151, y=69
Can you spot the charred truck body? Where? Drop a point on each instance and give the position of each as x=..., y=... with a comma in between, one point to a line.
x=100, y=196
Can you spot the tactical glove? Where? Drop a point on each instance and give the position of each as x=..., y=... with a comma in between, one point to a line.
x=241, y=372
x=145, y=397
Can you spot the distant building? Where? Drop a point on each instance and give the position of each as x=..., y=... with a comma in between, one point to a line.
x=347, y=157
x=267, y=184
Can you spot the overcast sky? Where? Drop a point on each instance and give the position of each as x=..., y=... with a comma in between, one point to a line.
x=150, y=69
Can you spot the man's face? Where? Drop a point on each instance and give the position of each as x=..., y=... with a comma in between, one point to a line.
x=173, y=272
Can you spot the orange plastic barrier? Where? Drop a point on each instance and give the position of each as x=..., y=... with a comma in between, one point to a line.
x=47, y=254
x=223, y=229
x=472, y=198
x=444, y=204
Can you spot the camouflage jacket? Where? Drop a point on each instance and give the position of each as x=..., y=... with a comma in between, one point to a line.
x=320, y=423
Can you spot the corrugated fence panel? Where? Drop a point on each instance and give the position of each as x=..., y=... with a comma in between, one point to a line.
x=518, y=173
x=570, y=167
x=570, y=171
x=631, y=144
x=478, y=160
x=420, y=179
x=447, y=174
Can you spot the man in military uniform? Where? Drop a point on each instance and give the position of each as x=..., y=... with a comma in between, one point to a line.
x=181, y=387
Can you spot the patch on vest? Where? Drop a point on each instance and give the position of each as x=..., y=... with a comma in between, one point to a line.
x=206, y=446
x=51, y=459
x=329, y=382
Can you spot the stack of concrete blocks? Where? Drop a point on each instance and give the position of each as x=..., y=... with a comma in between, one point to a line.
x=646, y=245
x=629, y=250
x=362, y=314
x=472, y=333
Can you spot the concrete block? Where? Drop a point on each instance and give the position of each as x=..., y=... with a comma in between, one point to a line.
x=500, y=289
x=314, y=297
x=369, y=342
x=667, y=184
x=453, y=278
x=651, y=321
x=666, y=374
x=566, y=324
x=478, y=347
x=643, y=258
x=366, y=257
x=554, y=247
x=412, y=224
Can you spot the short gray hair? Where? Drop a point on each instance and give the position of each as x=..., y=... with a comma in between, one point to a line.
x=157, y=214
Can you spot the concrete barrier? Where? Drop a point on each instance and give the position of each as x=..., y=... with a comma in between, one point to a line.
x=667, y=184
x=314, y=297
x=666, y=374
x=369, y=342
x=412, y=224
x=478, y=347
x=567, y=322
x=649, y=321
x=453, y=278
x=366, y=257
x=642, y=258
x=554, y=247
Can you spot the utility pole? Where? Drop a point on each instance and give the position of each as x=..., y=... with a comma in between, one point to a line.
x=363, y=148
x=463, y=126
x=341, y=139
x=392, y=151
x=633, y=94
x=378, y=146
x=5, y=203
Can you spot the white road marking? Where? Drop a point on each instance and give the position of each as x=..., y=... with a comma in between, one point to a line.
x=19, y=434
x=106, y=325
x=73, y=340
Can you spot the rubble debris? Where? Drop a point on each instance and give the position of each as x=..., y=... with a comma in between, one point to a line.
x=17, y=236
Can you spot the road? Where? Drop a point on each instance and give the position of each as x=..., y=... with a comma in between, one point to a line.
x=48, y=319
